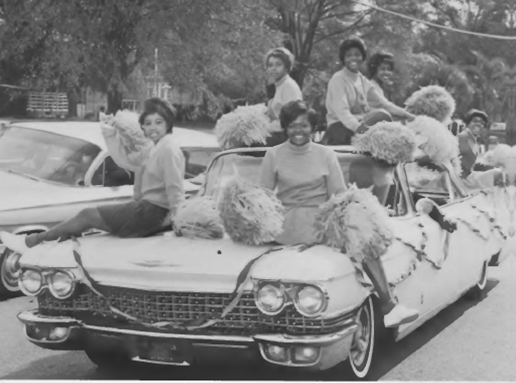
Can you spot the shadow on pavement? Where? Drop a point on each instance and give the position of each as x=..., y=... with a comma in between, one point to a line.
x=75, y=365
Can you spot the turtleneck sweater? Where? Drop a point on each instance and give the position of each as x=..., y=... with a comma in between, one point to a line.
x=306, y=175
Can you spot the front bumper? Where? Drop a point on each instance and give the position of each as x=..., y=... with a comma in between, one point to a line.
x=309, y=352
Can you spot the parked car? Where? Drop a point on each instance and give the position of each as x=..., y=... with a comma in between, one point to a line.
x=176, y=301
x=49, y=171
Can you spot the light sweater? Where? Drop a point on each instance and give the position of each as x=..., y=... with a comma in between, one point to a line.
x=304, y=176
x=159, y=170
x=286, y=90
x=350, y=96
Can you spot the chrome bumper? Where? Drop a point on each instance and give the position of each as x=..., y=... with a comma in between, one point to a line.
x=70, y=329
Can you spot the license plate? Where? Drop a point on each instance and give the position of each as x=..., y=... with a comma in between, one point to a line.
x=164, y=351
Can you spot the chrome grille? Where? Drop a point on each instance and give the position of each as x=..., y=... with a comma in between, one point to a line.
x=151, y=307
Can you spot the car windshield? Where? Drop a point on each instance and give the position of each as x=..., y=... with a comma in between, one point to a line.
x=45, y=155
x=357, y=169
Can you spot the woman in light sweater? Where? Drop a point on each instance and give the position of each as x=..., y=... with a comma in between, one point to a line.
x=279, y=62
x=305, y=175
x=351, y=97
x=159, y=169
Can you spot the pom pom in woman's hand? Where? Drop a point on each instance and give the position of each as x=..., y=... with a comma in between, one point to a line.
x=356, y=223
x=198, y=217
x=432, y=101
x=387, y=141
x=252, y=215
x=244, y=126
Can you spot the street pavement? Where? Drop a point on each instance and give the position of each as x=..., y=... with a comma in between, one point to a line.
x=469, y=340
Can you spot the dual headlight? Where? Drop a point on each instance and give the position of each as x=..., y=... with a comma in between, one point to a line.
x=309, y=300
x=60, y=283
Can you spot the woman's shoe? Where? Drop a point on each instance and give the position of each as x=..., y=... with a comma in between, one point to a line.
x=14, y=242
x=399, y=315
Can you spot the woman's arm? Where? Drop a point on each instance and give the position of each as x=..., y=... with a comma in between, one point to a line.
x=335, y=182
x=267, y=177
x=129, y=157
x=172, y=169
x=378, y=101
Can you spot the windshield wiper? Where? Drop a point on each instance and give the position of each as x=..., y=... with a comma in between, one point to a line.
x=22, y=174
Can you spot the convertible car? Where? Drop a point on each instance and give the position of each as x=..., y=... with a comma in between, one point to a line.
x=49, y=171
x=177, y=301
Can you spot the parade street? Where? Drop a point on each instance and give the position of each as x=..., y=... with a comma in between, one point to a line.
x=467, y=341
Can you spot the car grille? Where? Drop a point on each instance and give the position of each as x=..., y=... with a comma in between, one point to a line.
x=152, y=307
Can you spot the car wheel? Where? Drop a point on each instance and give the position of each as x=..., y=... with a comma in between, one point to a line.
x=363, y=345
x=477, y=292
x=9, y=268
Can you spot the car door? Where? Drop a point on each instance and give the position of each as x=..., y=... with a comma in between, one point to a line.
x=446, y=253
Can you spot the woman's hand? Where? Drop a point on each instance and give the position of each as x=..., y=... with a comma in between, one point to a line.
x=410, y=117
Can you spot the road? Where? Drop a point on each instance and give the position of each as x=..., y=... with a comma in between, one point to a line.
x=467, y=341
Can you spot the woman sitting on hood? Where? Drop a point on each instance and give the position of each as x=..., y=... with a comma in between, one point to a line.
x=159, y=169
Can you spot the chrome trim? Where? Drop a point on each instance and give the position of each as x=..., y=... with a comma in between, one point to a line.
x=42, y=286
x=218, y=345
x=283, y=339
x=32, y=316
x=138, y=359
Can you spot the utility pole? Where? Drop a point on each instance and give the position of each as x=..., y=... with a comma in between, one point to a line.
x=156, y=92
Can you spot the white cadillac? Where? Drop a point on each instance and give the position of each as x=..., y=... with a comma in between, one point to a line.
x=176, y=301
x=49, y=171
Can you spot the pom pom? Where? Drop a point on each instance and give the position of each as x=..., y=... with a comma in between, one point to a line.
x=419, y=176
x=252, y=215
x=432, y=101
x=355, y=221
x=387, y=141
x=242, y=127
x=504, y=156
x=198, y=218
x=438, y=143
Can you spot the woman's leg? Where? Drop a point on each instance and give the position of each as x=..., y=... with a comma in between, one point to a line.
x=374, y=270
x=86, y=219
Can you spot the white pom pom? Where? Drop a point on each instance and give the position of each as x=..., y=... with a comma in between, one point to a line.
x=251, y=214
x=432, y=101
x=242, y=127
x=198, y=217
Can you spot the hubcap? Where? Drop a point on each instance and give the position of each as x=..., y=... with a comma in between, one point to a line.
x=9, y=271
x=361, y=338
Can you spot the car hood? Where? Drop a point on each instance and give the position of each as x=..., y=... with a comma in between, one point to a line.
x=170, y=263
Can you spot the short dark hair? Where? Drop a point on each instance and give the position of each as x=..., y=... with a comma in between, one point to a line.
x=283, y=54
x=102, y=108
x=292, y=110
x=378, y=59
x=162, y=107
x=352, y=42
x=475, y=113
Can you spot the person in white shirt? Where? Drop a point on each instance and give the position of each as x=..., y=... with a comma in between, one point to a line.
x=351, y=97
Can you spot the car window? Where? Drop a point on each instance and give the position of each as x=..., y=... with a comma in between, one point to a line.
x=46, y=155
x=109, y=174
x=357, y=169
x=430, y=181
x=197, y=160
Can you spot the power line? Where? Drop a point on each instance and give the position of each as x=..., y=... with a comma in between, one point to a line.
x=499, y=37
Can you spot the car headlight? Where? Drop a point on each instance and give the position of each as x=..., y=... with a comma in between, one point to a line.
x=270, y=299
x=310, y=300
x=61, y=284
x=31, y=282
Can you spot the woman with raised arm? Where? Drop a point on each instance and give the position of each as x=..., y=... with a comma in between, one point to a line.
x=159, y=167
